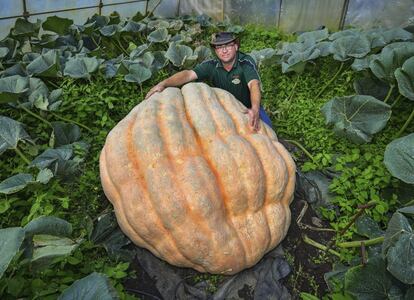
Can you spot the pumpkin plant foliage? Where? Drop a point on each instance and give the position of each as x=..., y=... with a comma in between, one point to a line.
x=356, y=117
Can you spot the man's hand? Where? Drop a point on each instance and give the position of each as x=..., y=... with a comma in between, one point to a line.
x=155, y=89
x=254, y=119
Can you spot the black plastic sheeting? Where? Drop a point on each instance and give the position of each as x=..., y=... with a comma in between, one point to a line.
x=258, y=282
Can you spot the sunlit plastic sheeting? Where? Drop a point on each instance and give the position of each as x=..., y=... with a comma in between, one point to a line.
x=5, y=26
x=167, y=9
x=300, y=15
x=79, y=17
x=374, y=13
x=39, y=6
x=264, y=12
x=213, y=8
x=125, y=10
x=10, y=8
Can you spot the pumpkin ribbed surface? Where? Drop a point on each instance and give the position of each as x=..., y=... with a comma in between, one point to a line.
x=190, y=182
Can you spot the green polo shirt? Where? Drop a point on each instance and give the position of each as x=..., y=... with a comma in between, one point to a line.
x=234, y=81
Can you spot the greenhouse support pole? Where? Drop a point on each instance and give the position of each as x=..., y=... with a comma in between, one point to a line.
x=100, y=7
x=177, y=13
x=25, y=12
x=280, y=14
x=146, y=7
x=343, y=14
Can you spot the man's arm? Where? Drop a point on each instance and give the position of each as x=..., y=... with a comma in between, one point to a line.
x=177, y=79
x=255, y=97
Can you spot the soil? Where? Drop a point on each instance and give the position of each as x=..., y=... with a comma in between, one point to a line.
x=308, y=263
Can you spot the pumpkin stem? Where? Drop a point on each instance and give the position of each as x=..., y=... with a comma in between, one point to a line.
x=301, y=148
x=311, y=242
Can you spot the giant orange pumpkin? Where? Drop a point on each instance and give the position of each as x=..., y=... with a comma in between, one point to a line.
x=193, y=184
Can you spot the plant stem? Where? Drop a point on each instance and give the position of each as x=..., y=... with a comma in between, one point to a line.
x=311, y=242
x=53, y=84
x=22, y=156
x=122, y=48
x=355, y=244
x=293, y=89
x=71, y=121
x=396, y=100
x=34, y=114
x=301, y=148
x=406, y=124
x=389, y=93
x=352, y=221
x=330, y=81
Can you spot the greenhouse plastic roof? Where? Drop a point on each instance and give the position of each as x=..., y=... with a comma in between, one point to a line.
x=289, y=16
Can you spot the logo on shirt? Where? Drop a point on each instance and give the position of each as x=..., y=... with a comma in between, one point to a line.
x=236, y=79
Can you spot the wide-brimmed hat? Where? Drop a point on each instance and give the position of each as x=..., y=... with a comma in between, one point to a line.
x=222, y=38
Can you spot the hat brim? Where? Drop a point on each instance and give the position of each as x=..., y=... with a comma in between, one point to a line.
x=212, y=44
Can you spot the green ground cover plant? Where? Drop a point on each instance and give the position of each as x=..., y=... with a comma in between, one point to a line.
x=62, y=92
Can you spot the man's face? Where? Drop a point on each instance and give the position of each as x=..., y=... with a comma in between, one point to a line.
x=227, y=52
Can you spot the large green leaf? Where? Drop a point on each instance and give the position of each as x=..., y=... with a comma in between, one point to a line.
x=203, y=53
x=176, y=25
x=11, y=88
x=94, y=286
x=158, y=24
x=160, y=61
x=138, y=51
x=23, y=27
x=46, y=65
x=65, y=133
x=372, y=87
x=159, y=36
x=324, y=48
x=314, y=36
x=132, y=26
x=110, y=30
x=405, y=78
x=397, y=34
x=263, y=57
x=396, y=227
x=50, y=157
x=39, y=91
x=357, y=117
x=48, y=225
x=15, y=183
x=408, y=210
x=296, y=62
x=107, y=233
x=81, y=67
x=369, y=282
x=368, y=227
x=10, y=242
x=347, y=47
x=390, y=59
x=11, y=132
x=138, y=74
x=345, y=33
x=12, y=45
x=4, y=51
x=400, y=258
x=180, y=55
x=57, y=24
x=46, y=248
x=360, y=64
x=399, y=158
